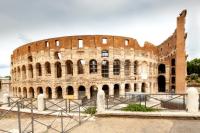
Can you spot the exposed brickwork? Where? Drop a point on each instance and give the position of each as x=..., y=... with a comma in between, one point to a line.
x=27, y=74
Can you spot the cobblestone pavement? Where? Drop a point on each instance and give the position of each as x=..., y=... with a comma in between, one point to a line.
x=138, y=125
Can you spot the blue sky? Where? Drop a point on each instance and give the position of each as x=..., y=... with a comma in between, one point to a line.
x=23, y=21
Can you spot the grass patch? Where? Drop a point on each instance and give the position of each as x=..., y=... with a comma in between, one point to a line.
x=138, y=107
x=91, y=110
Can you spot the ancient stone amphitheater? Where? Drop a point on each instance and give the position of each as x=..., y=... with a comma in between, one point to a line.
x=78, y=66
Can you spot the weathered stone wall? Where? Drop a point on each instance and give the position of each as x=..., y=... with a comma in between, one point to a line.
x=141, y=73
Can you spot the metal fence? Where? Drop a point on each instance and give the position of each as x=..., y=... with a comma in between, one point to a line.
x=59, y=116
x=156, y=101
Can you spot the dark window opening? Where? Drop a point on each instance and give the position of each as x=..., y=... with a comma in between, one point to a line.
x=161, y=68
x=93, y=66
x=105, y=69
x=104, y=53
x=116, y=67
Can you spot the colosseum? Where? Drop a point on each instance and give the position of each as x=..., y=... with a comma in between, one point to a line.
x=78, y=66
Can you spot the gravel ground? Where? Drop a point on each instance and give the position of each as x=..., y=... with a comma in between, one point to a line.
x=138, y=125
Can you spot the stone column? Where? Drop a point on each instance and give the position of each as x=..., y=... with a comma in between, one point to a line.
x=122, y=89
x=54, y=95
x=101, y=103
x=75, y=93
x=192, y=100
x=64, y=73
x=139, y=85
x=75, y=69
x=41, y=103
x=132, y=87
x=88, y=93
x=53, y=71
x=111, y=90
x=43, y=70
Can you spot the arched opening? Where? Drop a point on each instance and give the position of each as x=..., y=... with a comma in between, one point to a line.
x=93, y=92
x=161, y=68
x=59, y=92
x=69, y=67
x=135, y=67
x=161, y=83
x=127, y=66
x=116, y=90
x=93, y=66
x=24, y=92
x=58, y=69
x=127, y=88
x=39, y=90
x=38, y=69
x=19, y=92
x=49, y=92
x=105, y=88
x=81, y=92
x=116, y=67
x=105, y=69
x=31, y=92
x=70, y=90
x=80, y=64
x=143, y=87
x=48, y=68
x=30, y=71
x=173, y=71
x=18, y=73
x=135, y=87
x=23, y=72
x=173, y=62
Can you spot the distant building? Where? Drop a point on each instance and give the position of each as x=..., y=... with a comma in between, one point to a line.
x=5, y=85
x=80, y=65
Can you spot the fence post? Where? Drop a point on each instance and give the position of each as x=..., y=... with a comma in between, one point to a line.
x=18, y=116
x=183, y=101
x=69, y=106
x=140, y=99
x=145, y=100
x=32, y=118
x=79, y=114
x=8, y=101
x=61, y=115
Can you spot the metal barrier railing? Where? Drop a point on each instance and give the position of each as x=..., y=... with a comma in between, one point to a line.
x=61, y=116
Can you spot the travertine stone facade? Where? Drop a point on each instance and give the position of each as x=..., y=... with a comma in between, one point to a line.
x=80, y=65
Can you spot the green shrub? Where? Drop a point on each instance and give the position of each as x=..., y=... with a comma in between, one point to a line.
x=91, y=110
x=138, y=107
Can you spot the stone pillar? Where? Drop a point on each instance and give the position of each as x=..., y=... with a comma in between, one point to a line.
x=5, y=100
x=63, y=70
x=41, y=103
x=75, y=93
x=53, y=71
x=88, y=93
x=101, y=103
x=54, y=95
x=132, y=87
x=75, y=69
x=111, y=90
x=192, y=100
x=139, y=85
x=122, y=89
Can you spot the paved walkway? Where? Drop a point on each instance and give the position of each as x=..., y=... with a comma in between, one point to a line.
x=138, y=125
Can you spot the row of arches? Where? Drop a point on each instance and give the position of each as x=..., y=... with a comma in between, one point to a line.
x=29, y=71
x=81, y=92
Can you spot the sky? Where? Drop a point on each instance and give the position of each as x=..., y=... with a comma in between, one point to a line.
x=24, y=21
